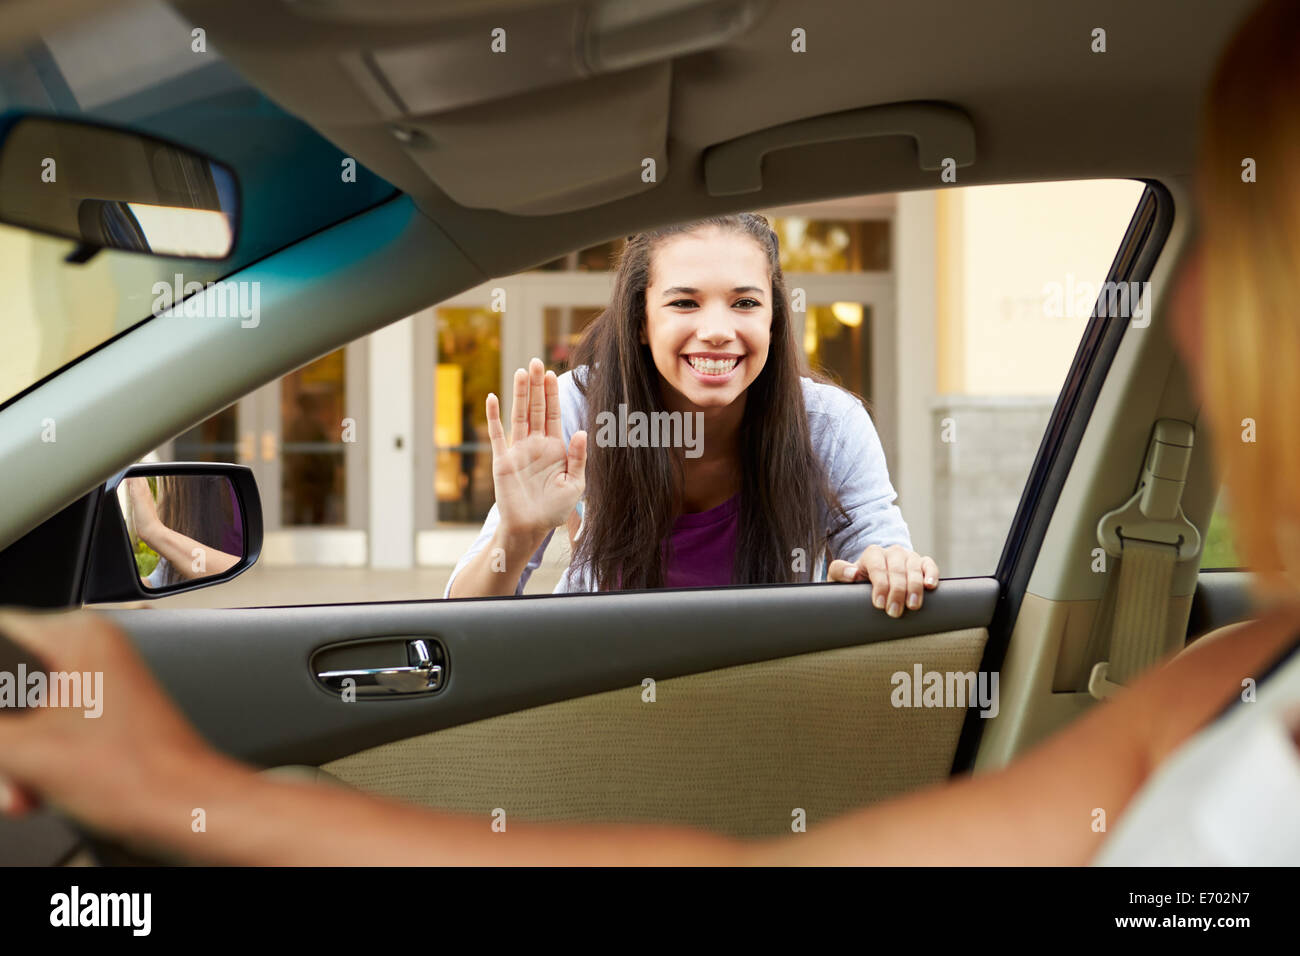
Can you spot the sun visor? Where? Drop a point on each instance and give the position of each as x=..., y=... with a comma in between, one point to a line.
x=499, y=108
x=552, y=151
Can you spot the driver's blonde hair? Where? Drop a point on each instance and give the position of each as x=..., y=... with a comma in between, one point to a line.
x=1250, y=329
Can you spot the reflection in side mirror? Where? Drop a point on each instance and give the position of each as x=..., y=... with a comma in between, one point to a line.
x=183, y=528
x=171, y=527
x=116, y=189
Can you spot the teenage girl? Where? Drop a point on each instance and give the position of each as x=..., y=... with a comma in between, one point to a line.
x=787, y=483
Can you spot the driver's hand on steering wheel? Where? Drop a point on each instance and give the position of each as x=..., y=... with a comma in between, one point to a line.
x=92, y=760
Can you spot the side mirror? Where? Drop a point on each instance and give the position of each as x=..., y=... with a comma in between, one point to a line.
x=162, y=529
x=112, y=188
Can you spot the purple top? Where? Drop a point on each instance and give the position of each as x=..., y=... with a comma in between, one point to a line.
x=232, y=542
x=704, y=547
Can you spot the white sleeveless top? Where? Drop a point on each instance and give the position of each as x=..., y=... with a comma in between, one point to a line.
x=1230, y=795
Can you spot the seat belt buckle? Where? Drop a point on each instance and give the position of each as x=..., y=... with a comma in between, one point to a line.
x=1155, y=512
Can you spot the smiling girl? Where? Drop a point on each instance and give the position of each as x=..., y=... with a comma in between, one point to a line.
x=787, y=482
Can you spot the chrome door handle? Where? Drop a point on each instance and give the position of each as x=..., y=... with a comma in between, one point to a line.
x=422, y=676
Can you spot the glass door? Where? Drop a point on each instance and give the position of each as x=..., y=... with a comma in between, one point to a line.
x=311, y=461
x=309, y=453
x=301, y=436
x=558, y=308
x=215, y=439
x=459, y=349
x=466, y=368
x=848, y=336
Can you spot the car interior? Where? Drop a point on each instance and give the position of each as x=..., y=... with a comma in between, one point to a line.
x=614, y=117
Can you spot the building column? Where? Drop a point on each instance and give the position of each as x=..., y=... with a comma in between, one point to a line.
x=916, y=272
x=391, y=433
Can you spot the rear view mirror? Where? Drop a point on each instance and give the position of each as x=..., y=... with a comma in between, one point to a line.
x=167, y=528
x=116, y=189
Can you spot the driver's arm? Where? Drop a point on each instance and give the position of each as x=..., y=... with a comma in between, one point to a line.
x=142, y=775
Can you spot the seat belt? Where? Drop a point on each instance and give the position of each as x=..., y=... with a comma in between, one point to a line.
x=1149, y=534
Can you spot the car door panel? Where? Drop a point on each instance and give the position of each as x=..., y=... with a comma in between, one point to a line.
x=735, y=750
x=804, y=671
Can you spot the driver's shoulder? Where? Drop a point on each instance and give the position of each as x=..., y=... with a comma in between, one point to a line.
x=1191, y=688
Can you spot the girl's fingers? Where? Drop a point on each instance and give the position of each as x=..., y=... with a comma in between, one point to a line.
x=898, y=576
x=576, y=466
x=896, y=561
x=842, y=571
x=930, y=571
x=873, y=565
x=496, y=431
x=915, y=582
x=553, y=406
x=536, y=397
x=519, y=407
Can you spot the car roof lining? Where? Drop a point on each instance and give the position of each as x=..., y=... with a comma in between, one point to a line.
x=1128, y=112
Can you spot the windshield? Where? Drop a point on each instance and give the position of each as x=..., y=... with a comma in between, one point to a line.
x=142, y=67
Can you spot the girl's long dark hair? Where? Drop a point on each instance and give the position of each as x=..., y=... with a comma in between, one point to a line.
x=199, y=507
x=633, y=494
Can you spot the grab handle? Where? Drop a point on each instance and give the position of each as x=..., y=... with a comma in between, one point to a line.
x=941, y=132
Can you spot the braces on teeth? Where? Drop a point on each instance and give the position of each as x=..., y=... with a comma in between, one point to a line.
x=713, y=366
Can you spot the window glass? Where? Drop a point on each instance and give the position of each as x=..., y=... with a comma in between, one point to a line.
x=564, y=326
x=1019, y=269
x=1219, y=550
x=598, y=258
x=832, y=245
x=837, y=343
x=312, y=413
x=958, y=345
x=215, y=439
